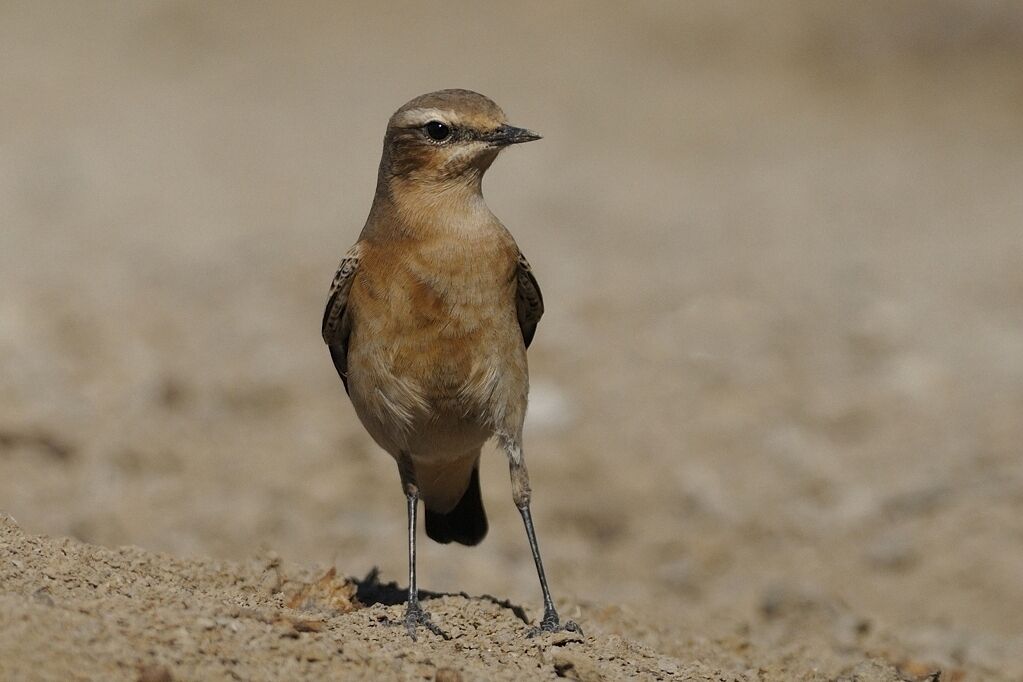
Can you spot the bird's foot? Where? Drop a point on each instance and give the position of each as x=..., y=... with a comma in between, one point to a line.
x=416, y=616
x=551, y=623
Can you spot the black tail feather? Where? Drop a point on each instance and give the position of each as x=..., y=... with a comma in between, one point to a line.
x=466, y=524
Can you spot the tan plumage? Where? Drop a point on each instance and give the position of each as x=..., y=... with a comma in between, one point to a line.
x=430, y=315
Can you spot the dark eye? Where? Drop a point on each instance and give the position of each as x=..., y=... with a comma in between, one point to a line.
x=438, y=131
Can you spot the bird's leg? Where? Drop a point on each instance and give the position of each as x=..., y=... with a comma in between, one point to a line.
x=521, y=493
x=414, y=613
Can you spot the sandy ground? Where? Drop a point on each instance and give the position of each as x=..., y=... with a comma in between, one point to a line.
x=775, y=429
x=78, y=612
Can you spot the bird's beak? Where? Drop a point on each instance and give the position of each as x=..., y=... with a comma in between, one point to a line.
x=506, y=135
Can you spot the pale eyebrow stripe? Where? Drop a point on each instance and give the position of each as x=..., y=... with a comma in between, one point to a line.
x=418, y=117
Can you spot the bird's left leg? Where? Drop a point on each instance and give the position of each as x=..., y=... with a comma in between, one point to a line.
x=414, y=613
x=521, y=493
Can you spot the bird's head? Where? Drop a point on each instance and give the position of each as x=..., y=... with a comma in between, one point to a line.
x=446, y=138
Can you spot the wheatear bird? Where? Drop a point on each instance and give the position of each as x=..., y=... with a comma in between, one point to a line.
x=428, y=321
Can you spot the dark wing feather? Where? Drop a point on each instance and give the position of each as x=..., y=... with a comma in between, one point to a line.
x=337, y=326
x=528, y=300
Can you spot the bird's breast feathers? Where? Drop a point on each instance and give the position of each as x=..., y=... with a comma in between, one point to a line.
x=435, y=331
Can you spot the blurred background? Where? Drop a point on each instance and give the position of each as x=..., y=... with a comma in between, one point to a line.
x=781, y=247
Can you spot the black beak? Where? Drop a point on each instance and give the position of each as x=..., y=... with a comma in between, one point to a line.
x=506, y=135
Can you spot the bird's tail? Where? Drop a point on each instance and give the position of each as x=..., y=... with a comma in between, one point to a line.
x=466, y=524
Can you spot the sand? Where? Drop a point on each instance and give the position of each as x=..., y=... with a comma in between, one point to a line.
x=775, y=422
x=76, y=612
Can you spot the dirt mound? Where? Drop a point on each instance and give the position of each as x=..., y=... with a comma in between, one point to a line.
x=75, y=611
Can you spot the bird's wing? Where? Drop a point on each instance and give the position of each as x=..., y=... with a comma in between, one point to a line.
x=336, y=323
x=528, y=300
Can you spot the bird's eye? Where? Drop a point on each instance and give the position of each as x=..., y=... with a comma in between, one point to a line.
x=438, y=131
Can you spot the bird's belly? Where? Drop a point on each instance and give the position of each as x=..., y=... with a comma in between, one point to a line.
x=433, y=396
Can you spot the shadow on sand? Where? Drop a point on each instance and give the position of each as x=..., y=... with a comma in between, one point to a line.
x=371, y=591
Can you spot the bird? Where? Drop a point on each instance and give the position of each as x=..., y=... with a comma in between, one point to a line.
x=428, y=320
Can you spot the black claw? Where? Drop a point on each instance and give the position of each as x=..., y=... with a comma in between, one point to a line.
x=572, y=626
x=551, y=623
x=416, y=616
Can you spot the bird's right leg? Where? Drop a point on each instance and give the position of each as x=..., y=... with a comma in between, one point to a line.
x=414, y=613
x=521, y=494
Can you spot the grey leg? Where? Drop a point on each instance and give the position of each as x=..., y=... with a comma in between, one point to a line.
x=522, y=494
x=414, y=613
